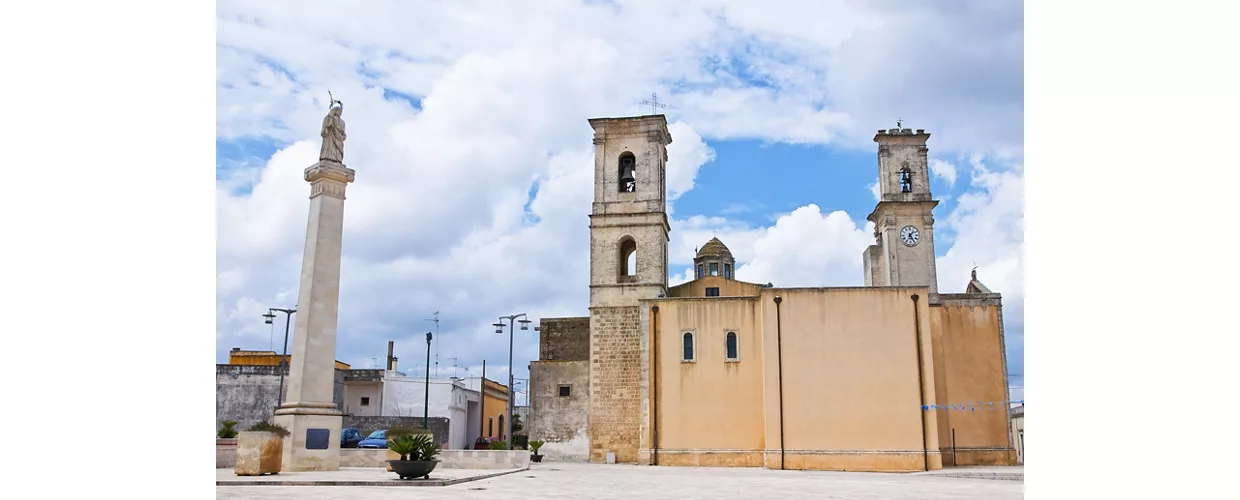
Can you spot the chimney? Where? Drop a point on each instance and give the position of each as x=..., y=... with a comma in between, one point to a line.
x=391, y=361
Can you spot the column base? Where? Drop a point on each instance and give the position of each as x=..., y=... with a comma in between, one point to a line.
x=310, y=425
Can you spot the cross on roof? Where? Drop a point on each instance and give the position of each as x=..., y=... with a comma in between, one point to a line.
x=654, y=103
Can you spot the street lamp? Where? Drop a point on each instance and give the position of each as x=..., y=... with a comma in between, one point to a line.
x=267, y=319
x=426, y=401
x=499, y=328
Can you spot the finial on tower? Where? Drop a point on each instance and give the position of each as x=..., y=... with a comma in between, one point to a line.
x=973, y=273
x=899, y=123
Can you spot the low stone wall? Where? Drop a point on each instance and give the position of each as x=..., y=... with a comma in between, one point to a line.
x=225, y=453
x=448, y=459
x=363, y=457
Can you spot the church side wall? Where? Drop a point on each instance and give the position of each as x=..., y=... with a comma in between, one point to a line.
x=560, y=421
x=615, y=392
x=709, y=410
x=969, y=347
x=851, y=398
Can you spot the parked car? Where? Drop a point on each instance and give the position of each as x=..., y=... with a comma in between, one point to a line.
x=349, y=438
x=376, y=439
x=483, y=443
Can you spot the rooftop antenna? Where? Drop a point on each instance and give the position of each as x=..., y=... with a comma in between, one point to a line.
x=454, y=366
x=436, y=321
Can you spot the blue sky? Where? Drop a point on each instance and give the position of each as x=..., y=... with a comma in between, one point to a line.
x=469, y=142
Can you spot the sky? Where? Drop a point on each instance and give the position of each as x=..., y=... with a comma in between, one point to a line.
x=467, y=129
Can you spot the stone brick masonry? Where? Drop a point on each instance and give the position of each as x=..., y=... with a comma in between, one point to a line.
x=615, y=392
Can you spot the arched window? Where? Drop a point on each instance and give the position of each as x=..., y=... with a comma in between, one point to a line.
x=628, y=259
x=688, y=343
x=501, y=427
x=731, y=346
x=627, y=172
x=906, y=180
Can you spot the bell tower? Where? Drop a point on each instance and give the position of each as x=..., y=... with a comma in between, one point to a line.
x=628, y=223
x=628, y=263
x=903, y=249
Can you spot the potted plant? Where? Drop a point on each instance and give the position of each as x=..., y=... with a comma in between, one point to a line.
x=227, y=431
x=534, y=446
x=396, y=432
x=260, y=449
x=417, y=456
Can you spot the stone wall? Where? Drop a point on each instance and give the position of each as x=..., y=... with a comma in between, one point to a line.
x=615, y=392
x=248, y=393
x=564, y=339
x=557, y=420
x=439, y=425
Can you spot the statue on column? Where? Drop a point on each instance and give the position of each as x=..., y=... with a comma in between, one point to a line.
x=333, y=134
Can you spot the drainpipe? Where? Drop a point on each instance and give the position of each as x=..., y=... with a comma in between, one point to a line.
x=482, y=401
x=654, y=386
x=779, y=363
x=921, y=381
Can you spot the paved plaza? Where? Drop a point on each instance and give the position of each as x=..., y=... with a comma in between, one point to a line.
x=581, y=481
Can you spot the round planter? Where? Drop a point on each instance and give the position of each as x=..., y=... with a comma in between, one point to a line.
x=409, y=469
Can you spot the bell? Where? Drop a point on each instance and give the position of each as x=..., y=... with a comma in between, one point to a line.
x=627, y=178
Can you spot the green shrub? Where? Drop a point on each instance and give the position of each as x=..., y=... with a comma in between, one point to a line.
x=536, y=444
x=227, y=431
x=267, y=426
x=425, y=448
x=499, y=445
x=403, y=445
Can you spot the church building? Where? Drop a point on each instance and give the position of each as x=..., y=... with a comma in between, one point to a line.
x=890, y=376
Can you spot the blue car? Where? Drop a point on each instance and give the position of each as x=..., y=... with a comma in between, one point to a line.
x=376, y=439
x=350, y=437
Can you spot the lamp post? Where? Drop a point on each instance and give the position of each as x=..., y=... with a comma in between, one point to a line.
x=499, y=328
x=267, y=318
x=426, y=401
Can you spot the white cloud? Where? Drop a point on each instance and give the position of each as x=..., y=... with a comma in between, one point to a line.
x=943, y=170
x=437, y=219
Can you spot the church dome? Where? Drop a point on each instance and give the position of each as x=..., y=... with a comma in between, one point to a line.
x=714, y=259
x=714, y=249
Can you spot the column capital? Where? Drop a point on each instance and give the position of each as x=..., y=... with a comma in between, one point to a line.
x=329, y=170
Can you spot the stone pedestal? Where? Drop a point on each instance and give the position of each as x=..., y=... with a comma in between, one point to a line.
x=309, y=412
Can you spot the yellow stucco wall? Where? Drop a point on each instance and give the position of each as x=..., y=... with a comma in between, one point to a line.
x=968, y=356
x=727, y=287
x=496, y=406
x=267, y=358
x=710, y=410
x=851, y=399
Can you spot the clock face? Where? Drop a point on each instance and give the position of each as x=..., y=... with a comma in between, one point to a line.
x=910, y=236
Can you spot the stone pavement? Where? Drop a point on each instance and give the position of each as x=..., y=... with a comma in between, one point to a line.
x=355, y=476
x=555, y=480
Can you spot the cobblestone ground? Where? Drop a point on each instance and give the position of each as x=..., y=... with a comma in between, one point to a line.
x=580, y=481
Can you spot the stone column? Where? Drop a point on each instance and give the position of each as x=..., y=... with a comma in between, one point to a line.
x=309, y=412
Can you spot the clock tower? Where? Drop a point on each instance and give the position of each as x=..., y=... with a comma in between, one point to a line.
x=903, y=249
